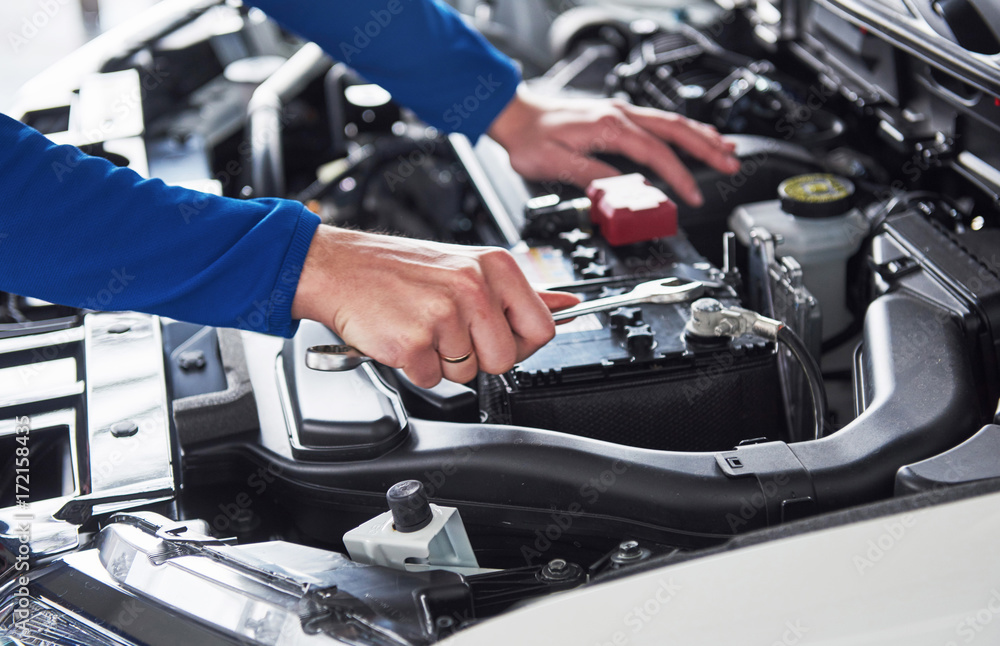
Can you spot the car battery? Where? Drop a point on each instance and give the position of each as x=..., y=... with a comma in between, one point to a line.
x=630, y=376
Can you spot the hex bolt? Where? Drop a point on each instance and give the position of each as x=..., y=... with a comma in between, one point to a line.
x=191, y=360
x=629, y=550
x=559, y=570
x=724, y=328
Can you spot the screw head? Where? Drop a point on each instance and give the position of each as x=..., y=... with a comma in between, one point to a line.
x=725, y=328
x=558, y=565
x=558, y=570
x=124, y=428
x=630, y=549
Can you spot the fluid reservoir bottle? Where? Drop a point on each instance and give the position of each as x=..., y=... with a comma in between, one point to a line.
x=821, y=228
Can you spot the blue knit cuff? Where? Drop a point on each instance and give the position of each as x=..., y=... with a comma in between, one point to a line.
x=279, y=320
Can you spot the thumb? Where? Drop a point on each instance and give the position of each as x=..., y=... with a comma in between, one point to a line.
x=556, y=301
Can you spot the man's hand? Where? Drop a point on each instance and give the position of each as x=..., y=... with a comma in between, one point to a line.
x=408, y=303
x=551, y=138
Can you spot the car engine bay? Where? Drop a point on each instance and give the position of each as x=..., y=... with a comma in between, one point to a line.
x=837, y=346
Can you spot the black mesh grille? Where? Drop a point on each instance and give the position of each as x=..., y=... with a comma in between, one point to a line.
x=684, y=411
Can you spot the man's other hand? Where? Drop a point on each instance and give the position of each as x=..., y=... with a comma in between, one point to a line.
x=552, y=138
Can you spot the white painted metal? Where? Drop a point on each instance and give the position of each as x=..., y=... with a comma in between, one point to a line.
x=929, y=577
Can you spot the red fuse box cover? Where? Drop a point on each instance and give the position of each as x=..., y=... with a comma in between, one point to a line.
x=629, y=209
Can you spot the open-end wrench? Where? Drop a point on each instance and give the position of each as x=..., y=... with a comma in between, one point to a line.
x=336, y=358
x=661, y=290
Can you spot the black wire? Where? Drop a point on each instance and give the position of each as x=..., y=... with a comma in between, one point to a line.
x=813, y=375
x=354, y=160
x=372, y=156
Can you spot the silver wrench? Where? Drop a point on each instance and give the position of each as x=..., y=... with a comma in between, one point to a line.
x=661, y=290
x=337, y=358
x=334, y=358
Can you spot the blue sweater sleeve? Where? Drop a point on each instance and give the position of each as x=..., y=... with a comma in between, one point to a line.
x=78, y=231
x=419, y=50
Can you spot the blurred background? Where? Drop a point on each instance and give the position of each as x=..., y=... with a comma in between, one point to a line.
x=37, y=33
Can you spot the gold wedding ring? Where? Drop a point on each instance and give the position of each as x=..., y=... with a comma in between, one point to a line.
x=460, y=359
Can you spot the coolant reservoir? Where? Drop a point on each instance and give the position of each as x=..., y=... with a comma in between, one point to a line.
x=821, y=229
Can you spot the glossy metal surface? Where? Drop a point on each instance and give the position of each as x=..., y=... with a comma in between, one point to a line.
x=337, y=358
x=334, y=358
x=126, y=381
x=662, y=290
x=70, y=388
x=263, y=593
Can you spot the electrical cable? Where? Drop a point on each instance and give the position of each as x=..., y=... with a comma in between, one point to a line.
x=814, y=375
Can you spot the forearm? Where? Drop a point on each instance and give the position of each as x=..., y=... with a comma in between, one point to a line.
x=77, y=231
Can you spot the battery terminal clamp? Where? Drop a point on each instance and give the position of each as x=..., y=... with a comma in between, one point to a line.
x=710, y=320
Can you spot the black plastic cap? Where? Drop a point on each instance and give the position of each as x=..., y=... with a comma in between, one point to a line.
x=409, y=506
x=818, y=195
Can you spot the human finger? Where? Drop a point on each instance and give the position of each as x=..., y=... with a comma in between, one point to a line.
x=699, y=140
x=557, y=301
x=641, y=146
x=456, y=350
